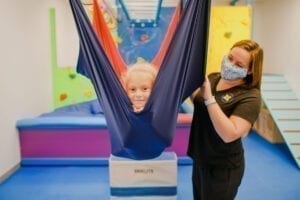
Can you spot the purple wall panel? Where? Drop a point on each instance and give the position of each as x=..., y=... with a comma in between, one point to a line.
x=82, y=142
x=65, y=143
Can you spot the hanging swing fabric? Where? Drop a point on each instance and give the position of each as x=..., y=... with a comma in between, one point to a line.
x=111, y=50
x=106, y=40
x=146, y=134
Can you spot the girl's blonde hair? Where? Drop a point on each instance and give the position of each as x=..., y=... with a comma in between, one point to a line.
x=143, y=67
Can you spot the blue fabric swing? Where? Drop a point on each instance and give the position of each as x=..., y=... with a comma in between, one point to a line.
x=146, y=134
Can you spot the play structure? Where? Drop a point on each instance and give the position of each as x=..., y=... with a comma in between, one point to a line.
x=283, y=107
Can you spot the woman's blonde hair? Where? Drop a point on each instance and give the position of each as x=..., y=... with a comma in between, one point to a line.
x=256, y=63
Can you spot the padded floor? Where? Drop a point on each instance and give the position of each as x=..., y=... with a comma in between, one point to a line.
x=271, y=173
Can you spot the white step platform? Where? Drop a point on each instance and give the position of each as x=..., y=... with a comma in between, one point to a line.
x=154, y=179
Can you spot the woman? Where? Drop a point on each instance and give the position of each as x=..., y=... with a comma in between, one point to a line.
x=226, y=107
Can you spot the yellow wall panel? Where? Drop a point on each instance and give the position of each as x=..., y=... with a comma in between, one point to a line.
x=228, y=24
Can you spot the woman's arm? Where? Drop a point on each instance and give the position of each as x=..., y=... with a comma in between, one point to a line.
x=228, y=128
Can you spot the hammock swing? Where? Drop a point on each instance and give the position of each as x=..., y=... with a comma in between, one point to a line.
x=146, y=134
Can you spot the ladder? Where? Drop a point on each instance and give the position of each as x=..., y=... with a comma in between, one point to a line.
x=284, y=107
x=141, y=13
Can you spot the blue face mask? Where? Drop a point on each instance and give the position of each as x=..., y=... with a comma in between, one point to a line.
x=231, y=72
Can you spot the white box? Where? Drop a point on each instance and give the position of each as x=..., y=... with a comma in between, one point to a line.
x=144, y=179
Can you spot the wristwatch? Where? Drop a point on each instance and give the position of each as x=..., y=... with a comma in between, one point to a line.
x=209, y=101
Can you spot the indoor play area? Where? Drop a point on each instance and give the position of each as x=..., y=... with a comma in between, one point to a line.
x=69, y=130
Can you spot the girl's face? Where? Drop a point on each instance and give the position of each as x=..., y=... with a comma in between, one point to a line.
x=138, y=88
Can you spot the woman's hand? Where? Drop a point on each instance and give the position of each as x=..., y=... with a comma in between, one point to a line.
x=206, y=89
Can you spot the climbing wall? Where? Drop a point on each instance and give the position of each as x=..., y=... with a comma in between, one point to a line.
x=228, y=24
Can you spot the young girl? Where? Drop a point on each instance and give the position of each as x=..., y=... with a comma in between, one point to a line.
x=138, y=82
